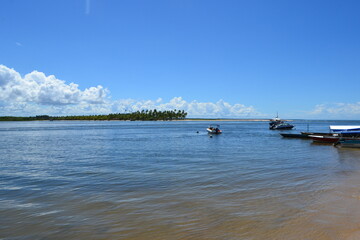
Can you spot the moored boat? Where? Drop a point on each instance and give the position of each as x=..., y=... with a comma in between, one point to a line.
x=278, y=124
x=349, y=143
x=307, y=135
x=344, y=128
x=295, y=135
x=337, y=133
x=317, y=133
x=324, y=138
x=282, y=126
x=349, y=139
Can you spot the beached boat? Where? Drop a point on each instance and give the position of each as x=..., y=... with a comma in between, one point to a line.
x=214, y=130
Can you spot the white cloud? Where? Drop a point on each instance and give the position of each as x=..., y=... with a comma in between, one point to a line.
x=193, y=108
x=37, y=88
x=36, y=93
x=336, y=111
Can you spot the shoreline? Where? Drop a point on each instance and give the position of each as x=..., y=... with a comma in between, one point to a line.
x=175, y=120
x=225, y=120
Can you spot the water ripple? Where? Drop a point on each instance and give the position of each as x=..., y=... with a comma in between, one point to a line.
x=163, y=180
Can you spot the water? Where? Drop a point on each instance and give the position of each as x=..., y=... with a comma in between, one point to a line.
x=163, y=180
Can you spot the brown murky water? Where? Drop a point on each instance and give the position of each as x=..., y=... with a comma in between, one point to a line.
x=115, y=180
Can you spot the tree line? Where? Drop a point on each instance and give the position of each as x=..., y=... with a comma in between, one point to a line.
x=144, y=115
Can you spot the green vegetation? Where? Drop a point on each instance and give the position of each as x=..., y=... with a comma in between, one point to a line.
x=144, y=115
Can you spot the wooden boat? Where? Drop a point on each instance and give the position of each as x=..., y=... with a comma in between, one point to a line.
x=350, y=139
x=349, y=143
x=306, y=134
x=317, y=133
x=335, y=137
x=324, y=139
x=295, y=135
x=214, y=130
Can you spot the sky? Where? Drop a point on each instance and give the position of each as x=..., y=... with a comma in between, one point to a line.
x=213, y=59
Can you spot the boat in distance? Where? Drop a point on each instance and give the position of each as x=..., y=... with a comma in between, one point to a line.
x=278, y=124
x=282, y=126
x=214, y=130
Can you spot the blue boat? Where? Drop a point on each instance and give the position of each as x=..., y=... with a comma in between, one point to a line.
x=349, y=143
x=350, y=139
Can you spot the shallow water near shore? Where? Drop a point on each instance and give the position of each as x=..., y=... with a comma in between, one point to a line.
x=163, y=180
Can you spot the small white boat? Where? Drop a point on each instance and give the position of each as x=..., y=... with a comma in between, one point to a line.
x=214, y=130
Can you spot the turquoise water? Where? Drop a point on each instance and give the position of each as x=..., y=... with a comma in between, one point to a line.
x=163, y=180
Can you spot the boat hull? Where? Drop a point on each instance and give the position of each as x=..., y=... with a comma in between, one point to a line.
x=295, y=135
x=344, y=128
x=278, y=124
x=282, y=127
x=324, y=139
x=214, y=131
x=317, y=133
x=350, y=143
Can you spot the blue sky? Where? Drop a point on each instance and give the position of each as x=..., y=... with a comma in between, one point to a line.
x=212, y=58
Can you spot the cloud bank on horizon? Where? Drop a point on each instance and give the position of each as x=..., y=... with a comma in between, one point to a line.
x=36, y=93
x=337, y=110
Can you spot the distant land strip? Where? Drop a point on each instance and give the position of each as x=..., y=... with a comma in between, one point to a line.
x=226, y=119
x=144, y=115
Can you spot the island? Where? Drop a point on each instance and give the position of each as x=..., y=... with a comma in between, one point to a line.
x=144, y=115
